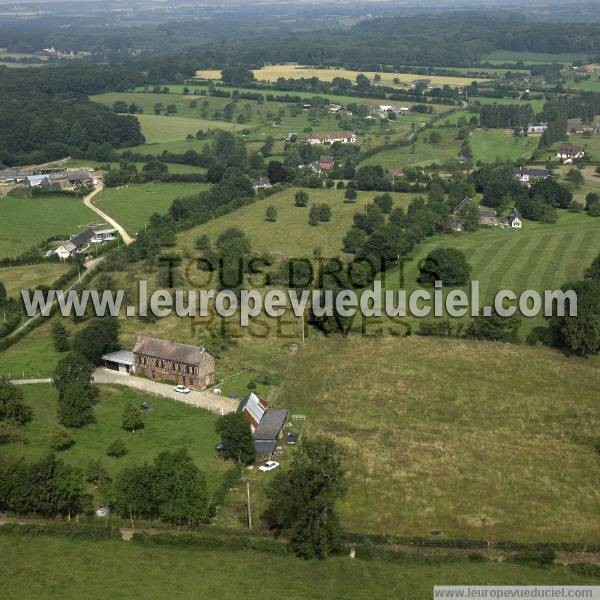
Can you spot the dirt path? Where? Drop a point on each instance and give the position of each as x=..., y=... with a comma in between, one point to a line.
x=127, y=239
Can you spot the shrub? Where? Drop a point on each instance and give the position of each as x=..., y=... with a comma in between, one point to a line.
x=117, y=449
x=435, y=328
x=542, y=557
x=61, y=439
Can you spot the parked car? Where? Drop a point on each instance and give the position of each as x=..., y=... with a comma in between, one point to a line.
x=181, y=389
x=268, y=466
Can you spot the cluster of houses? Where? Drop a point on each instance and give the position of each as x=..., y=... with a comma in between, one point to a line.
x=194, y=367
x=487, y=216
x=570, y=152
x=83, y=241
x=339, y=109
x=53, y=179
x=384, y=110
x=343, y=137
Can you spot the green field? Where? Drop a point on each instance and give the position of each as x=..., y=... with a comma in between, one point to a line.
x=52, y=568
x=422, y=152
x=489, y=145
x=167, y=425
x=291, y=235
x=506, y=56
x=25, y=222
x=170, y=129
x=173, y=167
x=478, y=440
x=536, y=105
x=133, y=205
x=29, y=276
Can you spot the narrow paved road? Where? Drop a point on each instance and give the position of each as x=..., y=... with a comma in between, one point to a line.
x=127, y=239
x=205, y=399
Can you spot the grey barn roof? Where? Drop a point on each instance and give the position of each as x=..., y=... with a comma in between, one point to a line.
x=184, y=353
x=265, y=446
x=271, y=424
x=83, y=238
x=121, y=357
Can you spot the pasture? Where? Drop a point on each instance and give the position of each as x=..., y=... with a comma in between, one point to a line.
x=24, y=222
x=70, y=569
x=290, y=235
x=133, y=205
x=474, y=439
x=29, y=276
x=271, y=73
x=168, y=424
x=422, y=152
x=489, y=145
x=159, y=128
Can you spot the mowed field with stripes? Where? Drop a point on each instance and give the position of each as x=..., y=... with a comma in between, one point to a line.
x=537, y=257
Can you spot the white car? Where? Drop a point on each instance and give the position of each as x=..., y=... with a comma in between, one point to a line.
x=181, y=389
x=268, y=466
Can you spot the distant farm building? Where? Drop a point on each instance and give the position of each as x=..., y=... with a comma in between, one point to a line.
x=515, y=219
x=78, y=243
x=527, y=175
x=570, y=151
x=488, y=216
x=533, y=129
x=331, y=138
x=172, y=362
x=261, y=184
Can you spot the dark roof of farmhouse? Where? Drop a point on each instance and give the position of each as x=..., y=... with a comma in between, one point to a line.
x=184, y=353
x=83, y=238
x=271, y=423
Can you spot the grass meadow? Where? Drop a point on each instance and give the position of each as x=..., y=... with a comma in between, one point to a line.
x=133, y=205
x=168, y=424
x=489, y=145
x=50, y=568
x=28, y=276
x=505, y=56
x=475, y=439
x=24, y=222
x=422, y=152
x=160, y=128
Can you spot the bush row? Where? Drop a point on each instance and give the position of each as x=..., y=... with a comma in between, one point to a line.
x=70, y=530
x=229, y=479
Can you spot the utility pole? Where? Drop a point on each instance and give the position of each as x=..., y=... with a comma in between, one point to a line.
x=248, y=503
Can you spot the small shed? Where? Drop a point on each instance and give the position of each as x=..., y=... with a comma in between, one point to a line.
x=121, y=360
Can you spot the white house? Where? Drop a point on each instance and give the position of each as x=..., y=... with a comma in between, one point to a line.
x=526, y=174
x=515, y=219
x=76, y=244
x=533, y=129
x=570, y=151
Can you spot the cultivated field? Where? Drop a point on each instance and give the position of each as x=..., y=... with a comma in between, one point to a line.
x=508, y=56
x=25, y=222
x=167, y=425
x=49, y=568
x=489, y=145
x=271, y=73
x=133, y=205
x=474, y=439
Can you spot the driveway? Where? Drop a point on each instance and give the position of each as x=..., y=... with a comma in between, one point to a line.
x=127, y=239
x=205, y=399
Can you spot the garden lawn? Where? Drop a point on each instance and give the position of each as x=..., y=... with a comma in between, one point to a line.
x=132, y=206
x=25, y=222
x=168, y=425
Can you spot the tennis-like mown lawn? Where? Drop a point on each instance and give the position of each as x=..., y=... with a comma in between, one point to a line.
x=133, y=205
x=50, y=568
x=168, y=424
x=24, y=222
x=489, y=145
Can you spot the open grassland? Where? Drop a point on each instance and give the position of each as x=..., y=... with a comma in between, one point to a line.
x=168, y=424
x=538, y=257
x=291, y=235
x=591, y=182
x=536, y=105
x=591, y=144
x=422, y=152
x=159, y=128
x=173, y=167
x=489, y=145
x=50, y=568
x=589, y=85
x=271, y=73
x=24, y=222
x=28, y=276
x=132, y=205
x=509, y=56
x=474, y=439
x=176, y=147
